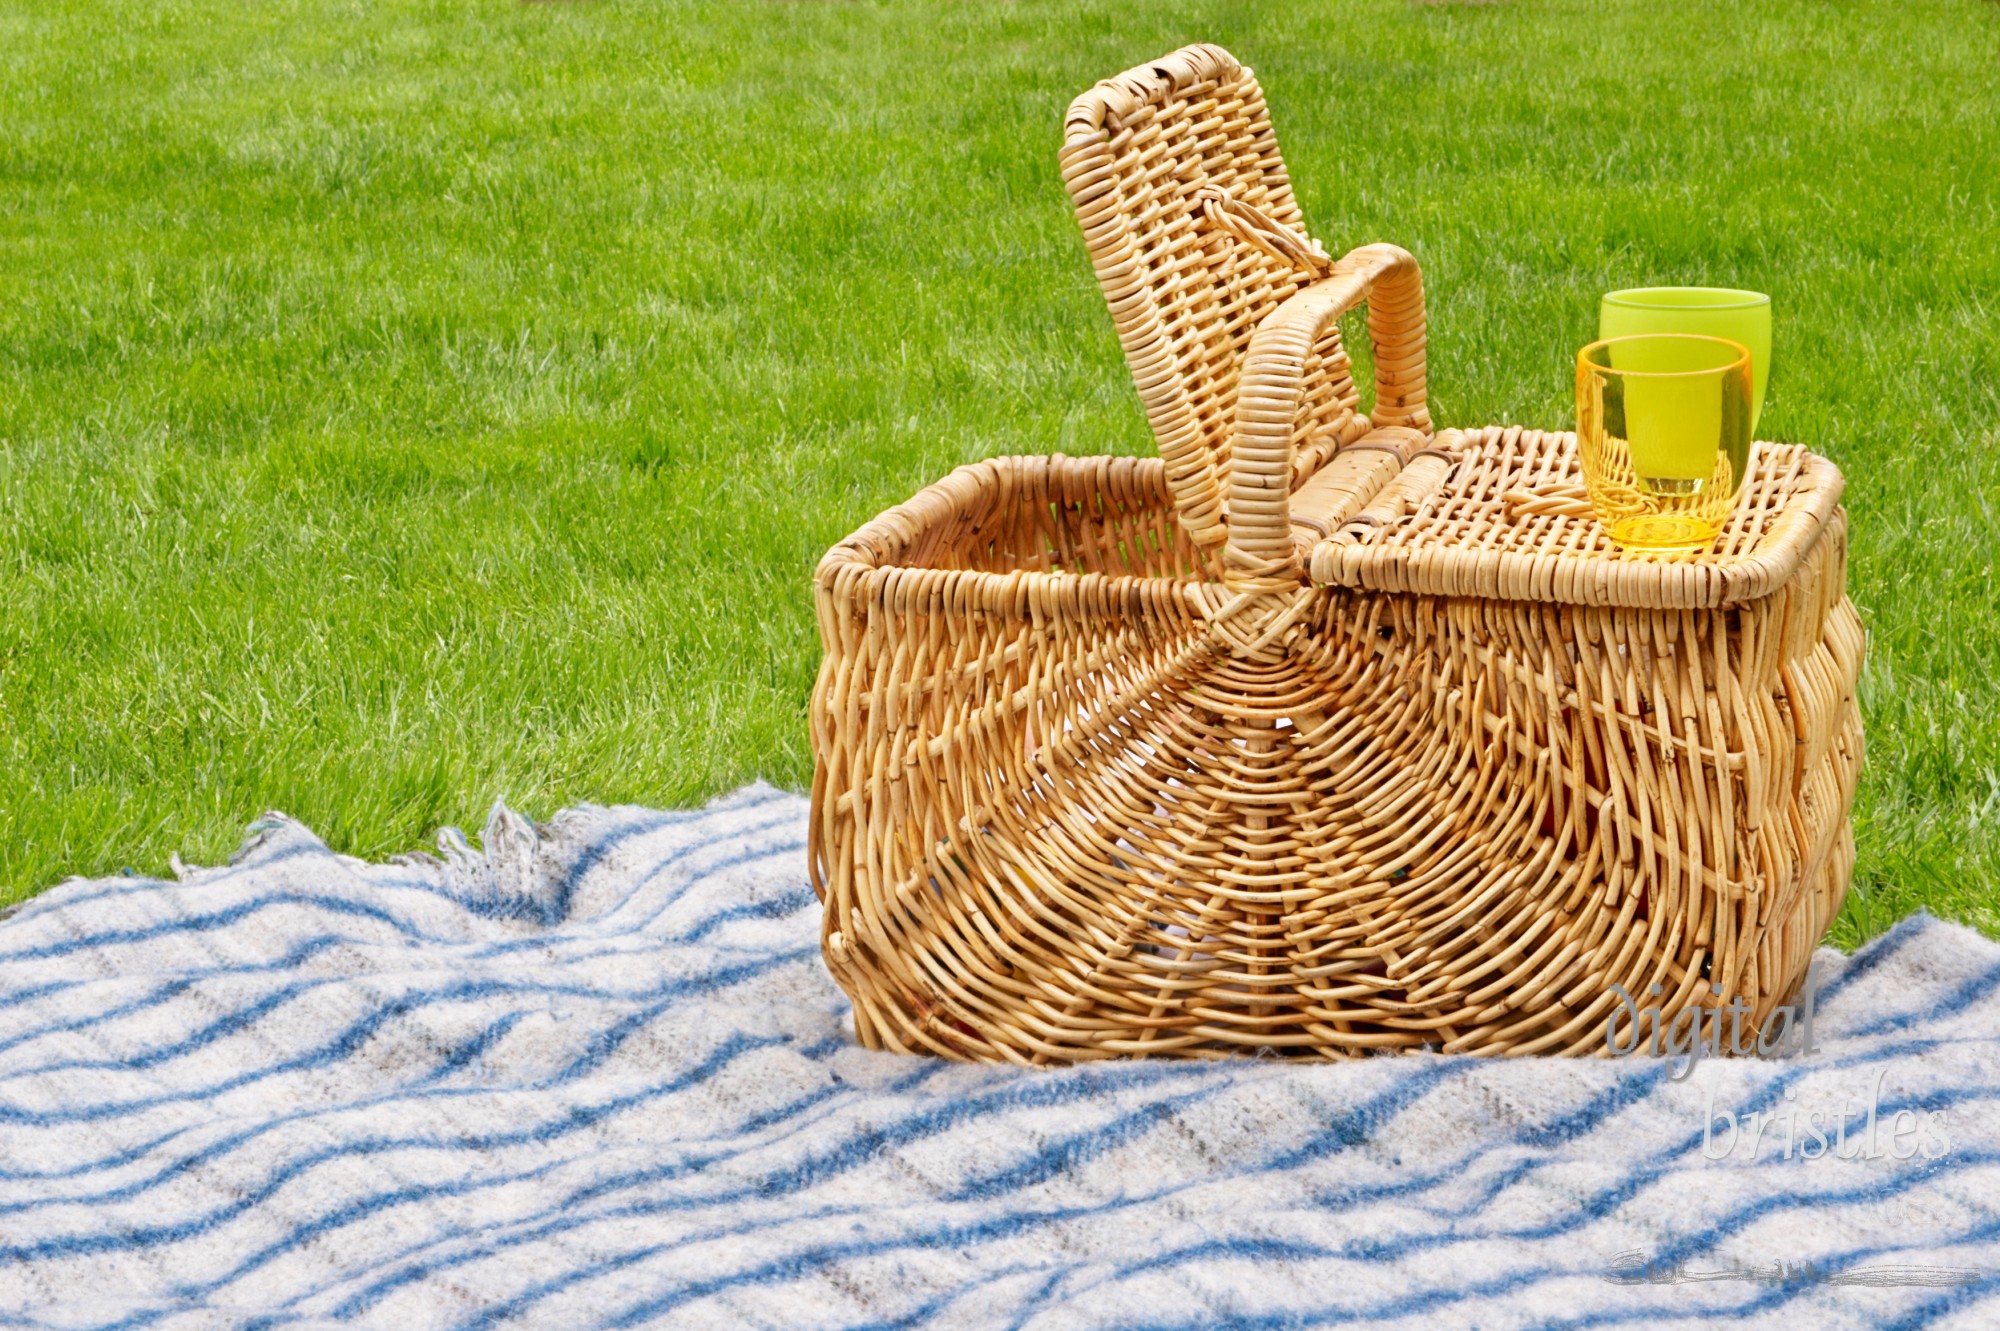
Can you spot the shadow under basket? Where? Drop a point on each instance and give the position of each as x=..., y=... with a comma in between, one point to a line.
x=1076, y=798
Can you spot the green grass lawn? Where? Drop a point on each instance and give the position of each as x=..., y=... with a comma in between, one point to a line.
x=413, y=402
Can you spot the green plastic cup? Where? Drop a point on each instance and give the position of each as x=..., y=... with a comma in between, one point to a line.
x=1739, y=316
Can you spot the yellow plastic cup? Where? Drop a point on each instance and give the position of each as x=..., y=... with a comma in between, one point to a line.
x=1663, y=434
x=1739, y=316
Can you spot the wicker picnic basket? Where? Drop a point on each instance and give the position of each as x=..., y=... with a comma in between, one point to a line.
x=1322, y=732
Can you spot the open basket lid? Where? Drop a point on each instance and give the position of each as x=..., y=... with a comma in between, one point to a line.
x=1509, y=521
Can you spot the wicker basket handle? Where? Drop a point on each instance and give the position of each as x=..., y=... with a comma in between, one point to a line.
x=1258, y=229
x=1269, y=396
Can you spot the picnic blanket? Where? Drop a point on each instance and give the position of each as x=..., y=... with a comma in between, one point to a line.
x=594, y=1074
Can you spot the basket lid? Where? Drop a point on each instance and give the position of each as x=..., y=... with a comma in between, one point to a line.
x=1510, y=521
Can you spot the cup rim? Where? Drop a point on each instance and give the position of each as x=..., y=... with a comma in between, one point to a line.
x=1635, y=298
x=1742, y=356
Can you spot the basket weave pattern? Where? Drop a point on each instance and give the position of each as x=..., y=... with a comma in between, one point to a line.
x=1319, y=733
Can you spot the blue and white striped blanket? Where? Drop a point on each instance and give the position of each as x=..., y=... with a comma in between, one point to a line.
x=596, y=1076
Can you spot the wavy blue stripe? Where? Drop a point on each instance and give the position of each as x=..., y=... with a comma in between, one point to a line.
x=627, y=1180
x=1337, y=1137
x=1603, y=1202
x=915, y=1242
x=574, y=1117
x=678, y=894
x=57, y=901
x=15, y=998
x=1958, y=997
x=857, y=1148
x=229, y=1144
x=1063, y=1154
x=230, y=1023
x=595, y=851
x=130, y=1154
x=941, y=1116
x=235, y=1022
x=1559, y=1130
x=339, y=1047
x=422, y=1090
x=597, y=926
x=1645, y=1078
x=1364, y=1120
x=468, y=1052
x=605, y=1043
x=865, y=1146
x=1881, y=949
x=567, y=1126
x=1410, y=1184
x=1355, y=1127
x=705, y=874
x=404, y=1268
x=771, y=908
x=1615, y=1100
x=639, y=883
x=970, y=1233
x=302, y=951
x=1871, y=958
x=172, y=989
x=537, y=1292
x=62, y=897
x=1770, y=1300
x=542, y=1290
x=600, y=923
x=1039, y=1297
x=374, y=876
x=358, y=1032
x=1251, y=1248
x=1593, y=1207
x=367, y=1297
x=366, y=1207
x=1905, y=1177
x=825, y=1255
x=929, y=1310
x=568, y=1279
x=220, y=919
x=117, y=1160
x=1429, y=1301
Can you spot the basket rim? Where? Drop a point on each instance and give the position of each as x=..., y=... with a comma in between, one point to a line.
x=1802, y=491
x=870, y=563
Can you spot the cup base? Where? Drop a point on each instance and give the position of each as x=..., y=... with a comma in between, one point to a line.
x=1673, y=487
x=1662, y=533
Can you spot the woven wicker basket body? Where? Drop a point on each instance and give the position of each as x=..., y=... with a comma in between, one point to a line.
x=1320, y=733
